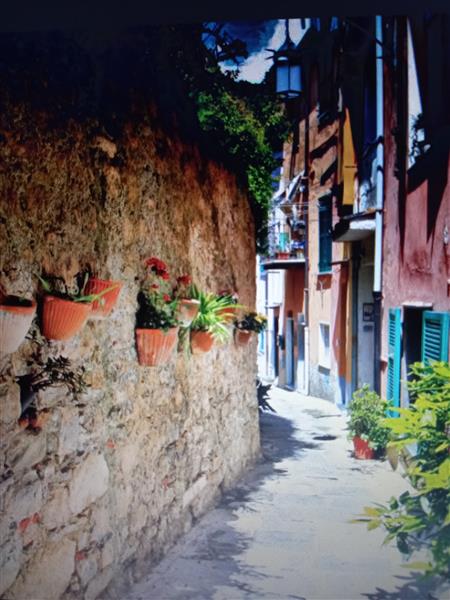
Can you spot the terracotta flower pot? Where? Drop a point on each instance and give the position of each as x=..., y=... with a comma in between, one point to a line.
x=62, y=319
x=187, y=311
x=362, y=449
x=242, y=337
x=201, y=341
x=283, y=255
x=103, y=306
x=15, y=322
x=155, y=346
x=227, y=313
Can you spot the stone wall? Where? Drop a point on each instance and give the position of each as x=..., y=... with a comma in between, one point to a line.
x=112, y=479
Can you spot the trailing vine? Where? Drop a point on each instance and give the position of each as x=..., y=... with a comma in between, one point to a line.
x=243, y=123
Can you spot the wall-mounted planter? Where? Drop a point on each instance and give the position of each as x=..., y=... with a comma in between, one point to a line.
x=362, y=449
x=62, y=319
x=242, y=337
x=103, y=307
x=155, y=346
x=201, y=342
x=187, y=311
x=228, y=313
x=15, y=322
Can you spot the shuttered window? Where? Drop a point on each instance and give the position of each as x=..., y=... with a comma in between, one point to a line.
x=394, y=356
x=435, y=331
x=325, y=235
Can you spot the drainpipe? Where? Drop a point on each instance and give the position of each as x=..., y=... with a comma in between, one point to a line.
x=378, y=258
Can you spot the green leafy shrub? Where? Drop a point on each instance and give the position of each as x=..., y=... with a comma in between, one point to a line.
x=421, y=519
x=367, y=412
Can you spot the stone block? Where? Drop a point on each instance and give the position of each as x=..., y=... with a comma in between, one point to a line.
x=86, y=567
x=98, y=584
x=48, y=574
x=10, y=407
x=195, y=489
x=89, y=482
x=69, y=433
x=10, y=562
x=56, y=513
x=107, y=556
x=26, y=501
x=26, y=451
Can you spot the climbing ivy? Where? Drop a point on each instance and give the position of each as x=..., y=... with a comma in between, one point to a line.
x=243, y=122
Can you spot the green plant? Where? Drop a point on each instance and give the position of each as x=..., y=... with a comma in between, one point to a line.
x=421, y=437
x=209, y=317
x=252, y=322
x=57, y=286
x=157, y=304
x=367, y=412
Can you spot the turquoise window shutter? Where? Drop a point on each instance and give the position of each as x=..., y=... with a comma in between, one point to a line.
x=325, y=242
x=394, y=356
x=435, y=331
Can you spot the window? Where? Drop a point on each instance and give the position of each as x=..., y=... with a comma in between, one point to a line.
x=394, y=356
x=435, y=330
x=325, y=223
x=324, y=345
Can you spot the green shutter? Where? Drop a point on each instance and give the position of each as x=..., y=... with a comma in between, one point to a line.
x=394, y=356
x=325, y=223
x=435, y=328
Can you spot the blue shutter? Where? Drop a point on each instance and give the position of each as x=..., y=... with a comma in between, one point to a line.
x=435, y=328
x=394, y=356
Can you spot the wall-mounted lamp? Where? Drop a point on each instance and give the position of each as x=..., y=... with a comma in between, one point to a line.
x=288, y=68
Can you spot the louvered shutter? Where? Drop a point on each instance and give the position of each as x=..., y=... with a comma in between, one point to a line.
x=394, y=356
x=435, y=329
x=325, y=242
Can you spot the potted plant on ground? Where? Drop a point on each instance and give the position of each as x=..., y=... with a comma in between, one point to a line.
x=252, y=322
x=210, y=323
x=366, y=427
x=187, y=306
x=110, y=291
x=16, y=315
x=156, y=320
x=66, y=308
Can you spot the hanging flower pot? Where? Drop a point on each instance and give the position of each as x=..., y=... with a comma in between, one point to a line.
x=362, y=449
x=187, y=311
x=155, y=346
x=228, y=313
x=104, y=305
x=201, y=341
x=15, y=321
x=242, y=337
x=62, y=319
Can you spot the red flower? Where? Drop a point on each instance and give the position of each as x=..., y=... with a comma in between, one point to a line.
x=154, y=286
x=184, y=280
x=166, y=298
x=157, y=266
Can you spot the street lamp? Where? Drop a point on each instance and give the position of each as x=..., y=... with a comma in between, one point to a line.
x=288, y=69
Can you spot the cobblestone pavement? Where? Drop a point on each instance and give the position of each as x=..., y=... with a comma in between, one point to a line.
x=283, y=532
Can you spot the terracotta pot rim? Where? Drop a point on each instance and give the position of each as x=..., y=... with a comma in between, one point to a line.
x=49, y=298
x=140, y=329
x=190, y=300
x=19, y=309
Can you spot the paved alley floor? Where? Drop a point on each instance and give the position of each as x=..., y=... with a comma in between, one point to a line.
x=283, y=532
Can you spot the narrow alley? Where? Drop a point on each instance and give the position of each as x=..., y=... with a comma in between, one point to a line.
x=284, y=531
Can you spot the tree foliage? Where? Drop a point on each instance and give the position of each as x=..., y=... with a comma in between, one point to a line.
x=244, y=124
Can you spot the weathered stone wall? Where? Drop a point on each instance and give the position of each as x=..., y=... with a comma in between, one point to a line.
x=113, y=479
